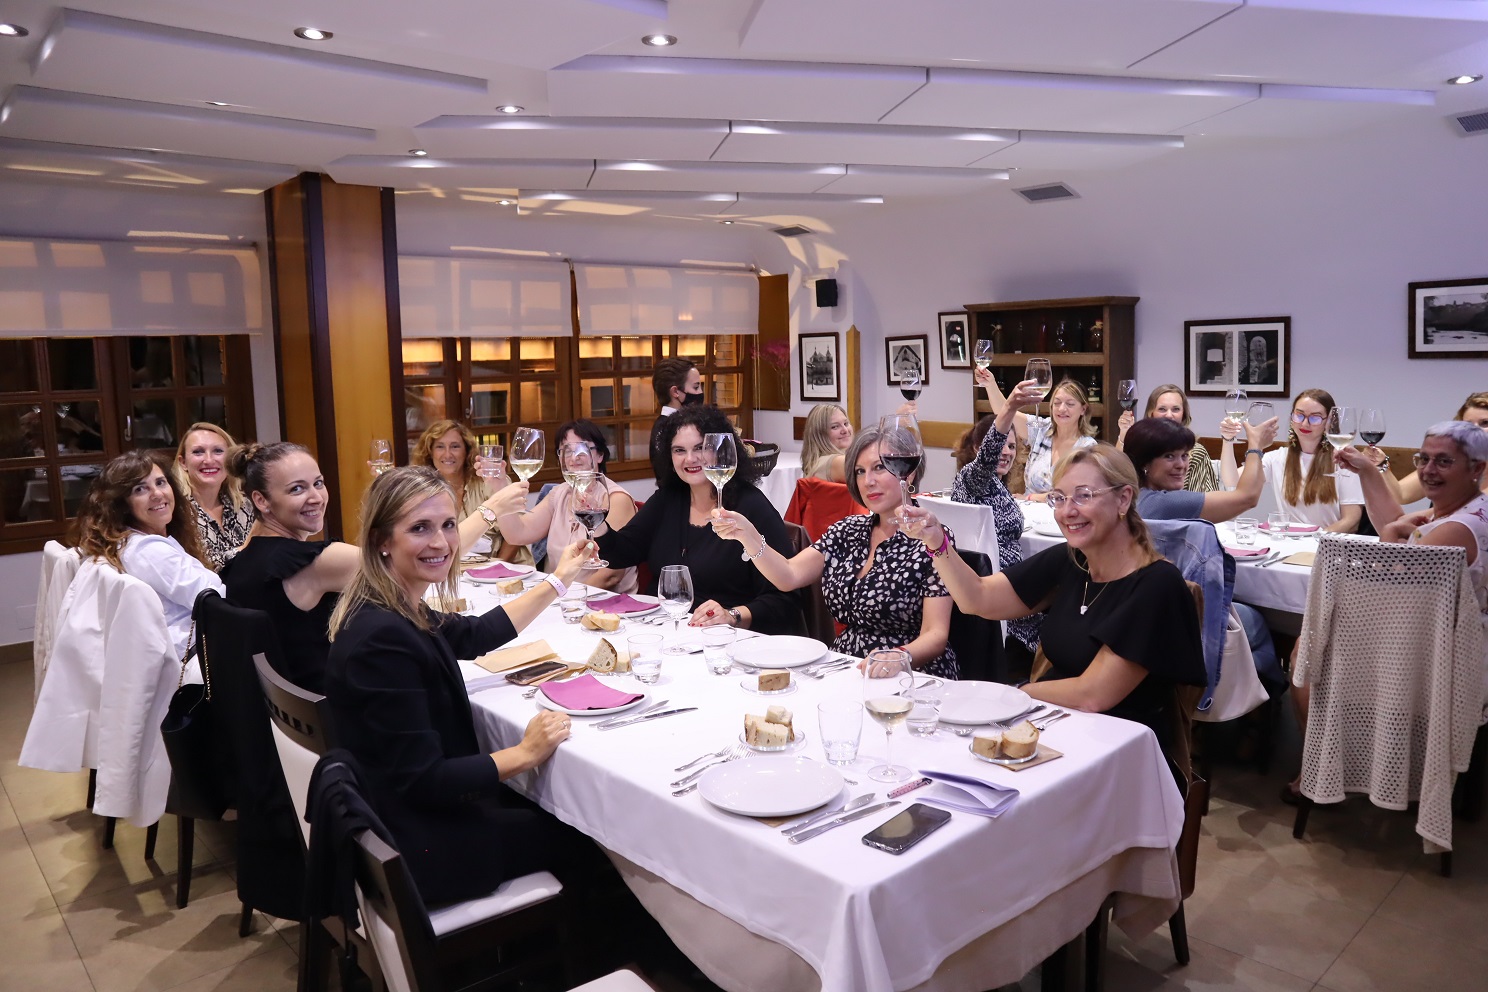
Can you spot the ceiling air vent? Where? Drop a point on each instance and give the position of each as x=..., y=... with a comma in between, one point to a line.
x=1473, y=123
x=794, y=231
x=1053, y=191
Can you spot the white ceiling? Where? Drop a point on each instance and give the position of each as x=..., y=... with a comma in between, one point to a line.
x=764, y=106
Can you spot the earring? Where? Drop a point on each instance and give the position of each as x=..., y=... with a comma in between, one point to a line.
x=384, y=554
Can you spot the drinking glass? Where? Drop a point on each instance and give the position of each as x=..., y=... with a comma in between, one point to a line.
x=910, y=384
x=382, y=456
x=718, y=648
x=1343, y=424
x=1235, y=405
x=645, y=656
x=1245, y=531
x=720, y=459
x=924, y=714
x=886, y=673
x=1276, y=524
x=1372, y=426
x=675, y=589
x=1126, y=394
x=1042, y=374
x=1259, y=412
x=901, y=449
x=983, y=356
x=527, y=452
x=492, y=460
x=841, y=723
x=576, y=462
x=590, y=504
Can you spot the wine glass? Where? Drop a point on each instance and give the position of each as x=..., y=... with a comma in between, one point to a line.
x=527, y=452
x=1259, y=412
x=576, y=461
x=382, y=456
x=1126, y=394
x=901, y=449
x=492, y=460
x=1235, y=405
x=675, y=589
x=886, y=672
x=910, y=384
x=591, y=504
x=1343, y=424
x=1042, y=374
x=983, y=356
x=1372, y=426
x=720, y=459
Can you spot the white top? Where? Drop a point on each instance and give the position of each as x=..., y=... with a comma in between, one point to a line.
x=177, y=578
x=1346, y=484
x=1038, y=473
x=1473, y=516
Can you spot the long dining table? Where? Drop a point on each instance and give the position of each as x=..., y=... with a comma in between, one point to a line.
x=976, y=905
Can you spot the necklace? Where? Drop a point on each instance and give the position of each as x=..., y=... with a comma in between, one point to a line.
x=1085, y=606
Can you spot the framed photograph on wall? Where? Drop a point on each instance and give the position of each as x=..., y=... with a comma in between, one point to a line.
x=905, y=355
x=1449, y=318
x=821, y=369
x=955, y=341
x=1253, y=352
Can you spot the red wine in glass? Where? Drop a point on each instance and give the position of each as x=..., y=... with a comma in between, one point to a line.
x=903, y=466
x=590, y=518
x=1372, y=437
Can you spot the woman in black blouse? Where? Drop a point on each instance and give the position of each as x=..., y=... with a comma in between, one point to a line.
x=1121, y=629
x=673, y=529
x=877, y=581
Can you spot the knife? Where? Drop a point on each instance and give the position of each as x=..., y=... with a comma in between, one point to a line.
x=838, y=821
x=807, y=824
x=648, y=716
x=631, y=716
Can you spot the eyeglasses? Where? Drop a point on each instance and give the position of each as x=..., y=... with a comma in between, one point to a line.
x=1081, y=496
x=1442, y=462
x=1308, y=418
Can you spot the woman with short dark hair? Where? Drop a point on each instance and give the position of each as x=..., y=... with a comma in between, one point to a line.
x=1159, y=449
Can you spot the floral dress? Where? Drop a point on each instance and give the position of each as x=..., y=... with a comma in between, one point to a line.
x=220, y=542
x=885, y=608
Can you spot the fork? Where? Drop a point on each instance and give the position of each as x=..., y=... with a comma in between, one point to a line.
x=716, y=754
x=690, y=779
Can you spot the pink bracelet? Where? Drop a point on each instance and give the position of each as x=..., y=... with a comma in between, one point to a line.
x=945, y=545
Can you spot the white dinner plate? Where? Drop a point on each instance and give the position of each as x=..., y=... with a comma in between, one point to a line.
x=654, y=603
x=779, y=651
x=1050, y=529
x=795, y=745
x=750, y=683
x=971, y=703
x=548, y=704
x=770, y=786
x=521, y=572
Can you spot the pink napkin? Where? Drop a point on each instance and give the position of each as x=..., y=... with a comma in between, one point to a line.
x=587, y=693
x=619, y=604
x=1247, y=552
x=496, y=571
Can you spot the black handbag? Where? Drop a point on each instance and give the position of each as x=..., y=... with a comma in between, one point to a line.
x=198, y=785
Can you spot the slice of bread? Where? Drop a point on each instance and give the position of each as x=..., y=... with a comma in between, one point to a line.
x=988, y=744
x=604, y=657
x=600, y=620
x=1020, y=741
x=781, y=716
x=773, y=680
x=760, y=732
x=509, y=587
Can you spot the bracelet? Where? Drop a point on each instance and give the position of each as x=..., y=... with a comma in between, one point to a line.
x=763, y=545
x=1385, y=467
x=557, y=584
x=1254, y=451
x=945, y=545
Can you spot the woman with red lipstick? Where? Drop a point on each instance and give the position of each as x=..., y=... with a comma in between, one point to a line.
x=1300, y=482
x=222, y=515
x=1160, y=448
x=877, y=581
x=826, y=436
x=1050, y=439
x=449, y=447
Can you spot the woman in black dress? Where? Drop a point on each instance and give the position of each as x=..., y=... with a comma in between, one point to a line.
x=877, y=580
x=399, y=703
x=673, y=529
x=1122, y=630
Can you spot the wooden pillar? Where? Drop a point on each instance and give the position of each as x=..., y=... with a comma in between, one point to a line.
x=333, y=266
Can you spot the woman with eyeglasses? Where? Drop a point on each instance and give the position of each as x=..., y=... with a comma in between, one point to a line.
x=1474, y=410
x=1121, y=630
x=1050, y=439
x=1300, y=483
x=1160, y=448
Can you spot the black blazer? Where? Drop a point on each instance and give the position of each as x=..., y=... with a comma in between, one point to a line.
x=400, y=707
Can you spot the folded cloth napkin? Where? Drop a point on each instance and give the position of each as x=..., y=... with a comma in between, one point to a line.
x=1306, y=558
x=587, y=693
x=497, y=570
x=620, y=604
x=1247, y=552
x=967, y=794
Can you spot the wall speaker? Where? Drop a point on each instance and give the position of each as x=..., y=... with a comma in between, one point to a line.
x=826, y=293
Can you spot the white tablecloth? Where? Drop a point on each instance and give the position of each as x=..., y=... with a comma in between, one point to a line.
x=780, y=485
x=861, y=919
x=974, y=525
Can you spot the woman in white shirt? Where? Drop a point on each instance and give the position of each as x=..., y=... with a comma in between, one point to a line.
x=136, y=519
x=1050, y=439
x=1300, y=483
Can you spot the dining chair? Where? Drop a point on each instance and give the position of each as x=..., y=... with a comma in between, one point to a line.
x=977, y=641
x=817, y=504
x=813, y=599
x=59, y=564
x=1392, y=647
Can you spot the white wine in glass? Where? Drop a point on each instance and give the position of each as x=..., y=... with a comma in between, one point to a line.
x=382, y=457
x=983, y=356
x=1235, y=405
x=527, y=452
x=1343, y=424
x=886, y=672
x=576, y=461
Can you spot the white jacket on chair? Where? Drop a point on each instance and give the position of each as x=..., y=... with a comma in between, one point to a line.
x=58, y=565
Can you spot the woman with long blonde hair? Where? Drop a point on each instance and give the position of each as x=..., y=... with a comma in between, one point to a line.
x=824, y=441
x=1050, y=439
x=223, y=515
x=449, y=447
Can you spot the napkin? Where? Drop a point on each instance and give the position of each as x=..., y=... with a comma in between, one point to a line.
x=505, y=659
x=1247, y=552
x=1300, y=558
x=967, y=794
x=497, y=570
x=619, y=604
x=587, y=693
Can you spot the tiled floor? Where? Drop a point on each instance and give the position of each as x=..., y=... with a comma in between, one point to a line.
x=1353, y=908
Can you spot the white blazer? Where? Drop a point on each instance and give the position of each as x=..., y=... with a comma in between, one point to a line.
x=112, y=672
x=58, y=565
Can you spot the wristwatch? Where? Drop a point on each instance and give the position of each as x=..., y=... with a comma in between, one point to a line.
x=486, y=512
x=736, y=616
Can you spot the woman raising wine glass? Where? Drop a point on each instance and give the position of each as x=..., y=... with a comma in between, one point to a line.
x=1051, y=438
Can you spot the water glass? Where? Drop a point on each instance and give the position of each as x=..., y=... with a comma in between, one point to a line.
x=572, y=610
x=1245, y=531
x=924, y=716
x=718, y=648
x=841, y=722
x=1276, y=523
x=645, y=656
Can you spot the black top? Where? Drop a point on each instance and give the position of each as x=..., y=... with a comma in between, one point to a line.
x=399, y=705
x=1147, y=617
x=254, y=579
x=660, y=534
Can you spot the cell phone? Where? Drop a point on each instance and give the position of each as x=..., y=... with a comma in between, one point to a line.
x=904, y=831
x=530, y=674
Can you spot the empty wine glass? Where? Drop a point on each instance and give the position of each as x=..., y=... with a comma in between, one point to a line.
x=1372, y=426
x=983, y=355
x=1235, y=405
x=886, y=673
x=1259, y=412
x=1126, y=394
x=1343, y=424
x=382, y=456
x=901, y=449
x=527, y=452
x=675, y=589
x=492, y=460
x=1042, y=374
x=590, y=504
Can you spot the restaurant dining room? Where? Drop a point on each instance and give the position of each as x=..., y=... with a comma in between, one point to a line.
x=759, y=495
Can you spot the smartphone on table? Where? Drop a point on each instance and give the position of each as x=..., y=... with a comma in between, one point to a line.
x=900, y=833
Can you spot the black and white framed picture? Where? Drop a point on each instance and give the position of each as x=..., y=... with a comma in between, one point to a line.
x=1254, y=353
x=955, y=341
x=1449, y=318
x=820, y=369
x=905, y=355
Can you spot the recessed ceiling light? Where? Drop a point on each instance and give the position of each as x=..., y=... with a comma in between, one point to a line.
x=313, y=34
x=659, y=40
x=504, y=203
x=417, y=152
x=509, y=108
x=215, y=103
x=1464, y=80
x=13, y=31
x=725, y=222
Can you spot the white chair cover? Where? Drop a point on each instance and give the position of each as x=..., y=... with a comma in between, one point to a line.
x=58, y=566
x=1392, y=645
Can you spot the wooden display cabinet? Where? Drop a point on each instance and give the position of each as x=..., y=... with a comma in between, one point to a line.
x=1063, y=331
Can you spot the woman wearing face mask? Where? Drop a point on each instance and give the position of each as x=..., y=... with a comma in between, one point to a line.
x=827, y=434
x=222, y=514
x=1050, y=439
x=1300, y=482
x=1168, y=402
x=449, y=448
x=877, y=582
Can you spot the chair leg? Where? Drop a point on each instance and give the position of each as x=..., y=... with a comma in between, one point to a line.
x=1304, y=809
x=185, y=851
x=1446, y=864
x=1054, y=975
x=245, y=922
x=152, y=834
x=1178, y=928
x=1468, y=796
x=92, y=786
x=108, y=832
